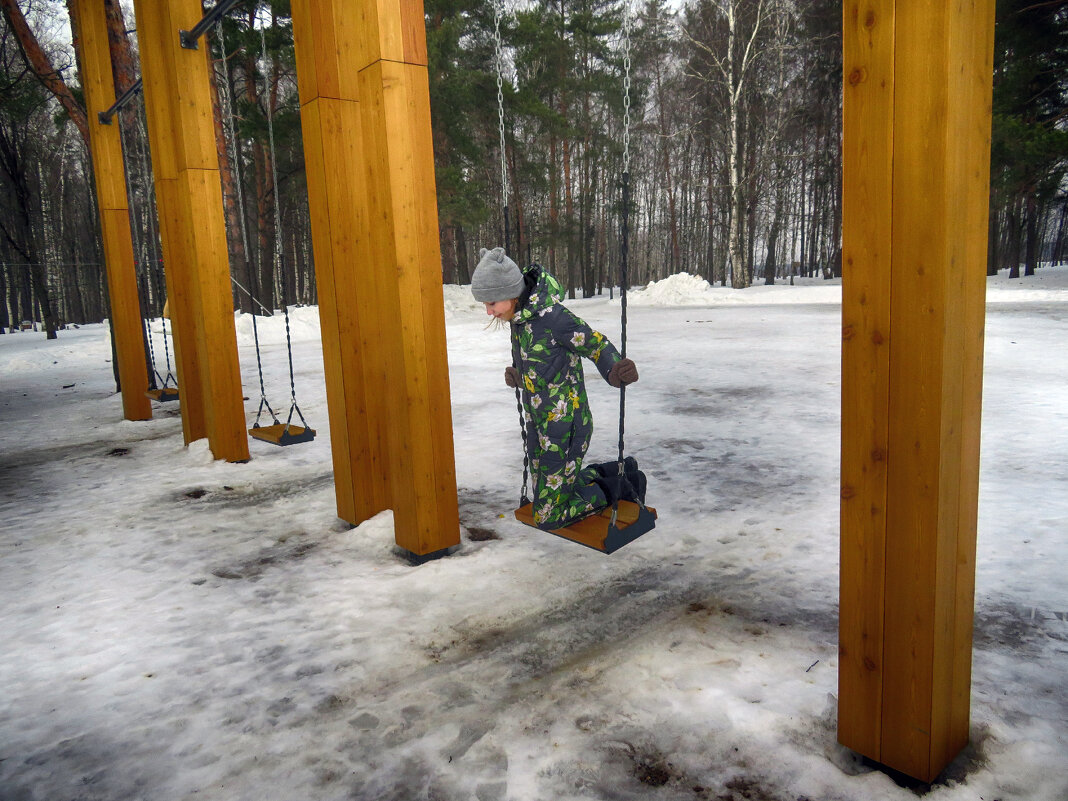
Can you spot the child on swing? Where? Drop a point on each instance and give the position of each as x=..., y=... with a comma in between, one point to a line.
x=547, y=343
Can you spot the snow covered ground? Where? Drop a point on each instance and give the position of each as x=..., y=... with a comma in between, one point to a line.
x=175, y=627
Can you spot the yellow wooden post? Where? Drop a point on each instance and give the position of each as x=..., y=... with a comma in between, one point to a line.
x=369, y=142
x=916, y=153
x=404, y=250
x=109, y=172
x=157, y=71
x=176, y=84
x=358, y=399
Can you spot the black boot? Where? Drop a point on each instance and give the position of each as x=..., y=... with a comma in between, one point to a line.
x=630, y=465
x=612, y=486
x=628, y=487
x=639, y=482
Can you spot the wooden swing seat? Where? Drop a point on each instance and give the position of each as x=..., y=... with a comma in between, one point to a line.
x=282, y=434
x=163, y=394
x=597, y=531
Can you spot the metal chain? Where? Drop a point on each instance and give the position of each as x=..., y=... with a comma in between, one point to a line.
x=142, y=259
x=279, y=262
x=146, y=324
x=624, y=249
x=231, y=148
x=626, y=88
x=517, y=363
x=154, y=235
x=498, y=12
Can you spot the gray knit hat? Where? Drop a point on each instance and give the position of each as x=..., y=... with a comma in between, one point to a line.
x=496, y=277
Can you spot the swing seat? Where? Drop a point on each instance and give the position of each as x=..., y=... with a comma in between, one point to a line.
x=597, y=531
x=163, y=394
x=282, y=434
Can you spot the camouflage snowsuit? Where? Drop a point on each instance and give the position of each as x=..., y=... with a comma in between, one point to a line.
x=547, y=343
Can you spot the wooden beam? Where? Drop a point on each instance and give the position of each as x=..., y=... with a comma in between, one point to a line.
x=366, y=118
x=404, y=250
x=917, y=140
x=157, y=72
x=109, y=172
x=357, y=396
x=176, y=85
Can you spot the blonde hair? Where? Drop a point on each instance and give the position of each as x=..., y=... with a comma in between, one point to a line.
x=496, y=323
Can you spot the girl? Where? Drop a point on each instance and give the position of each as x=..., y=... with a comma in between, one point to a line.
x=547, y=341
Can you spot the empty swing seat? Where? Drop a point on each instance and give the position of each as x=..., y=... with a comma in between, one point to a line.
x=597, y=531
x=282, y=434
x=163, y=394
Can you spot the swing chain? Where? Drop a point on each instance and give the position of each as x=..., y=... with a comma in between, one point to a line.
x=153, y=235
x=516, y=361
x=624, y=248
x=279, y=262
x=141, y=248
x=626, y=89
x=499, y=53
x=231, y=147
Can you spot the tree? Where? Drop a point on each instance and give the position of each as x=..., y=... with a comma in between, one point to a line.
x=1029, y=140
x=463, y=104
x=24, y=121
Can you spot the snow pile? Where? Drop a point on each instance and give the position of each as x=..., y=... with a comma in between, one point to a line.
x=459, y=301
x=684, y=289
x=303, y=326
x=681, y=289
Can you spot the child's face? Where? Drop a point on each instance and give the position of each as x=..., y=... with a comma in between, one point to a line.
x=502, y=309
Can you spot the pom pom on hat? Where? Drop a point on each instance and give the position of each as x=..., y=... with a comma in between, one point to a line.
x=496, y=277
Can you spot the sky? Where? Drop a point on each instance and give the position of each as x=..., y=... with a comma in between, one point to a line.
x=175, y=627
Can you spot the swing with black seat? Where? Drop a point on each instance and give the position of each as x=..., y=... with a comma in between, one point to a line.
x=625, y=521
x=277, y=433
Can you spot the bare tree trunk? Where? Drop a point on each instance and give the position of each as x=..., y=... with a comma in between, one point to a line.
x=1057, y=256
x=773, y=235
x=5, y=318
x=463, y=274
x=740, y=276
x=123, y=63
x=1014, y=239
x=669, y=189
x=230, y=187
x=554, y=203
x=447, y=237
x=993, y=240
x=264, y=280
x=1032, y=237
x=569, y=213
x=41, y=66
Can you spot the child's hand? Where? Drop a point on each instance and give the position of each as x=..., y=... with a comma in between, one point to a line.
x=622, y=373
x=511, y=377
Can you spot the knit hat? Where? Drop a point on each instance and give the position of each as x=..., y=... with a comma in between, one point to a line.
x=496, y=277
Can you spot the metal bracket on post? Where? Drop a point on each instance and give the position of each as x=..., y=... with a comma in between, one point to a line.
x=189, y=39
x=105, y=116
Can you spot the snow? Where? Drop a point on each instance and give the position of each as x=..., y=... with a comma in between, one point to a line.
x=683, y=289
x=176, y=627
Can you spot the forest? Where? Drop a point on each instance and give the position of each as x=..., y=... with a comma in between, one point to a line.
x=723, y=118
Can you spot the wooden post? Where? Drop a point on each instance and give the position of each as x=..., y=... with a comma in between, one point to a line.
x=404, y=247
x=160, y=111
x=392, y=277
x=109, y=172
x=177, y=94
x=354, y=360
x=917, y=96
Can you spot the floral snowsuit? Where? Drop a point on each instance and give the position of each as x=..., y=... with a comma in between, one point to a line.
x=547, y=343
